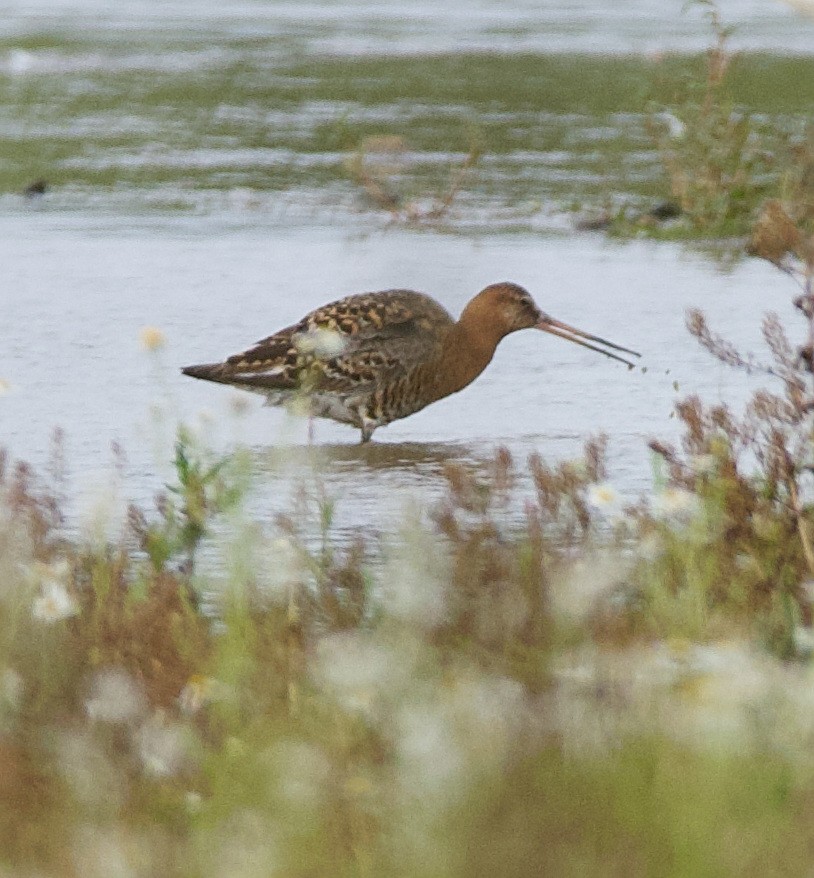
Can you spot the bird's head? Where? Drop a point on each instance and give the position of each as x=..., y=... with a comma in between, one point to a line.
x=502, y=308
x=505, y=307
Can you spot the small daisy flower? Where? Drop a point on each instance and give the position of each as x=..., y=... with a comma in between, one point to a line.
x=152, y=339
x=115, y=697
x=603, y=497
x=675, y=503
x=55, y=602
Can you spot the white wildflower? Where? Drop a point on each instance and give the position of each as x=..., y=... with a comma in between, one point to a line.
x=415, y=575
x=358, y=670
x=807, y=588
x=161, y=746
x=675, y=503
x=724, y=687
x=19, y=61
x=650, y=547
x=675, y=127
x=803, y=640
x=321, y=342
x=54, y=602
x=193, y=801
x=746, y=563
x=430, y=762
x=585, y=584
x=604, y=498
x=115, y=697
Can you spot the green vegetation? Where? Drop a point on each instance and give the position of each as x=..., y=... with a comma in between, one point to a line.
x=475, y=700
x=721, y=157
x=552, y=133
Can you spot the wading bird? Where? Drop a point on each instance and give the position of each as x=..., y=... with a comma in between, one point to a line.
x=373, y=358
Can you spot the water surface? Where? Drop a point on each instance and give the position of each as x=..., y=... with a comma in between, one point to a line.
x=199, y=162
x=80, y=290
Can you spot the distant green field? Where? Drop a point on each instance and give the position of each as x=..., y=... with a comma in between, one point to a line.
x=553, y=131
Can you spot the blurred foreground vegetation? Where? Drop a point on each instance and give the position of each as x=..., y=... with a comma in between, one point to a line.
x=602, y=690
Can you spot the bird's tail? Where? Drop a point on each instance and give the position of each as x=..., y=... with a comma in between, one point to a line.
x=230, y=373
x=210, y=372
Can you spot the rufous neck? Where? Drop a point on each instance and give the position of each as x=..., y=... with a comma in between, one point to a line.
x=468, y=350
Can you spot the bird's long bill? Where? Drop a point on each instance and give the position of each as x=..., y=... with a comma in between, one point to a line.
x=600, y=345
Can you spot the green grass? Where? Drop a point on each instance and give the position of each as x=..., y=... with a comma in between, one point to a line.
x=515, y=108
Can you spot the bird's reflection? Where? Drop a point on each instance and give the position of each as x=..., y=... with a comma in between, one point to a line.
x=410, y=458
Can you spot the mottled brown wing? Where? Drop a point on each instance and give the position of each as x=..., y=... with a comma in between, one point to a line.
x=376, y=355
x=341, y=347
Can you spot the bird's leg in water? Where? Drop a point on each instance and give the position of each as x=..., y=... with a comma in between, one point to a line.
x=310, y=429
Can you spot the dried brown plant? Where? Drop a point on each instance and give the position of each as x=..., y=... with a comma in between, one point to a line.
x=497, y=595
x=561, y=489
x=758, y=492
x=774, y=235
x=376, y=167
x=35, y=502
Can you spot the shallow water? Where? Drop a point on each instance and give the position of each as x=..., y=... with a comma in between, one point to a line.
x=197, y=160
x=81, y=289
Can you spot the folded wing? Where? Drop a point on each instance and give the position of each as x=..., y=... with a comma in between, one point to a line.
x=344, y=347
